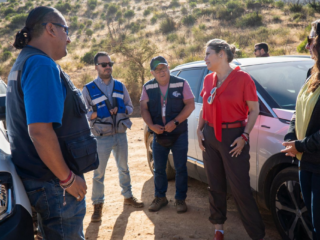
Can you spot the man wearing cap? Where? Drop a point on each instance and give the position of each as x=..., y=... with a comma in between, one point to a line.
x=261, y=50
x=166, y=103
x=109, y=107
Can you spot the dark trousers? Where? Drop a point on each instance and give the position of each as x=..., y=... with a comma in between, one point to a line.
x=310, y=189
x=220, y=167
x=160, y=156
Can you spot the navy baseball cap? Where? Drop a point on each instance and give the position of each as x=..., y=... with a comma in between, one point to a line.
x=156, y=61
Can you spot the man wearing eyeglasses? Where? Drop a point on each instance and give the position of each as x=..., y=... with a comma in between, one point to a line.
x=109, y=106
x=261, y=50
x=166, y=103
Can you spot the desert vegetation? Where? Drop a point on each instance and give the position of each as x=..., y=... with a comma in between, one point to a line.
x=133, y=31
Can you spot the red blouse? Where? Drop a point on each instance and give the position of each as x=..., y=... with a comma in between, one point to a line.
x=229, y=104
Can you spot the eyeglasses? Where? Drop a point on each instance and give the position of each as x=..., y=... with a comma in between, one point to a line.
x=104, y=64
x=256, y=49
x=66, y=29
x=213, y=93
x=310, y=40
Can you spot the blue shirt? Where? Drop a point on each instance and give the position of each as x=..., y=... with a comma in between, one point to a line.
x=44, y=91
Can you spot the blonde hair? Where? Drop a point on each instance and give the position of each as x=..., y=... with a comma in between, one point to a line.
x=218, y=44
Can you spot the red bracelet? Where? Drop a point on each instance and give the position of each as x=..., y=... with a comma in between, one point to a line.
x=68, y=178
x=244, y=137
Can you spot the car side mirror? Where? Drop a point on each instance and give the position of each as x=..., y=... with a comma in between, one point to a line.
x=2, y=107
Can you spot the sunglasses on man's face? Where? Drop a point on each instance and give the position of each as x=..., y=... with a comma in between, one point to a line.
x=66, y=29
x=104, y=64
x=256, y=49
x=212, y=95
x=310, y=40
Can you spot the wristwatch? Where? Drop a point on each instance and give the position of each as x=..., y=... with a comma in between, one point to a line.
x=176, y=122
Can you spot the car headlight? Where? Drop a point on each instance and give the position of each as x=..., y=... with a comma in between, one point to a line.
x=6, y=195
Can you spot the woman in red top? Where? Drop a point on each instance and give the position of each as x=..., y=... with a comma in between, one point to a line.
x=223, y=134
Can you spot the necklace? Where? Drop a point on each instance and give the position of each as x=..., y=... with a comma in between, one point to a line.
x=219, y=83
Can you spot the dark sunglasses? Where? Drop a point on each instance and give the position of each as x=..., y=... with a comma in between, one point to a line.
x=310, y=40
x=66, y=29
x=256, y=49
x=104, y=64
x=212, y=95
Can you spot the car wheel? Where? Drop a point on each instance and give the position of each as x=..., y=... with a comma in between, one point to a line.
x=288, y=209
x=169, y=170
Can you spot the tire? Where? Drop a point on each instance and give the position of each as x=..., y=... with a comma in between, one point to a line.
x=287, y=207
x=169, y=170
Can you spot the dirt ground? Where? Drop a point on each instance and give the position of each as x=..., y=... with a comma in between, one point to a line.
x=124, y=222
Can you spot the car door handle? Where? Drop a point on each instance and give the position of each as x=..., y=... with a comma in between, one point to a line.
x=264, y=126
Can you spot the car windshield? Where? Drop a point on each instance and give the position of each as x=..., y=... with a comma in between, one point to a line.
x=282, y=81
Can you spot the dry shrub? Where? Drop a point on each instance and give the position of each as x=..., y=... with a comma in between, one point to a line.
x=84, y=79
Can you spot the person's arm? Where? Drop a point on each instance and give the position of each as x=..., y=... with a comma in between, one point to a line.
x=127, y=101
x=291, y=134
x=90, y=114
x=147, y=118
x=200, y=131
x=183, y=115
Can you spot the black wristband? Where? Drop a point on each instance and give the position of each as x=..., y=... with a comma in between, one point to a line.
x=246, y=133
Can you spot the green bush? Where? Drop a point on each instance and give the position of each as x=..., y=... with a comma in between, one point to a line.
x=188, y=20
x=204, y=11
x=8, y=11
x=129, y=14
x=106, y=5
x=167, y=25
x=81, y=26
x=174, y=3
x=112, y=9
x=89, y=22
x=250, y=4
x=184, y=11
x=89, y=32
x=279, y=4
x=250, y=20
x=276, y=18
x=232, y=10
x=192, y=5
x=18, y=21
x=92, y=4
x=315, y=6
x=134, y=27
x=154, y=19
x=6, y=55
x=63, y=7
x=88, y=57
x=202, y=26
x=172, y=37
x=295, y=7
x=298, y=16
x=146, y=12
x=301, y=48
x=118, y=14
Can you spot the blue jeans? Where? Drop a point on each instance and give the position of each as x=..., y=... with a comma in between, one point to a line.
x=55, y=220
x=160, y=156
x=310, y=188
x=118, y=144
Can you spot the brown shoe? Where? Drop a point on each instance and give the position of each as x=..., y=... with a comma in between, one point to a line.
x=158, y=203
x=134, y=202
x=181, y=206
x=97, y=213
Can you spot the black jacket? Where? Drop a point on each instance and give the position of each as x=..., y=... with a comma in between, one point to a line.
x=310, y=145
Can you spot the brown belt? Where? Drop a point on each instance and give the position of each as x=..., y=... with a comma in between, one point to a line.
x=231, y=125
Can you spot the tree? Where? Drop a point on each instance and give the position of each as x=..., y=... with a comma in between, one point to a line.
x=129, y=14
x=138, y=55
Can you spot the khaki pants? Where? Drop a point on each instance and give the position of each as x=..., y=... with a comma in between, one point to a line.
x=220, y=167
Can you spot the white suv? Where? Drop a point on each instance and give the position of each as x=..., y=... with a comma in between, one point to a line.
x=273, y=176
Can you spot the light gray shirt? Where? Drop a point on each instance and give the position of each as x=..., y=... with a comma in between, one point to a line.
x=107, y=90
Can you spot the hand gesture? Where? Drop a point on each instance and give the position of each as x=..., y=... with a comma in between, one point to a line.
x=157, y=128
x=78, y=189
x=200, y=139
x=114, y=111
x=170, y=126
x=290, y=149
x=239, y=144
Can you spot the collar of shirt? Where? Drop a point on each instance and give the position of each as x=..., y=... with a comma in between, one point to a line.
x=101, y=81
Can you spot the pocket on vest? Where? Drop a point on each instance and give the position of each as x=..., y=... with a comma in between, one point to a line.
x=102, y=127
x=83, y=154
x=123, y=124
x=177, y=104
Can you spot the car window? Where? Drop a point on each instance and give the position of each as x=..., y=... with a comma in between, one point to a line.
x=174, y=73
x=3, y=88
x=282, y=81
x=194, y=77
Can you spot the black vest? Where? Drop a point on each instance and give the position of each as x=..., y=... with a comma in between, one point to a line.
x=174, y=105
x=74, y=125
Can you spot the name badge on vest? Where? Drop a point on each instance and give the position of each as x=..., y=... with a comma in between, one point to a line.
x=163, y=110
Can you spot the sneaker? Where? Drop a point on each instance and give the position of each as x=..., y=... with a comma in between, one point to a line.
x=134, y=202
x=181, y=206
x=97, y=213
x=218, y=236
x=158, y=203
